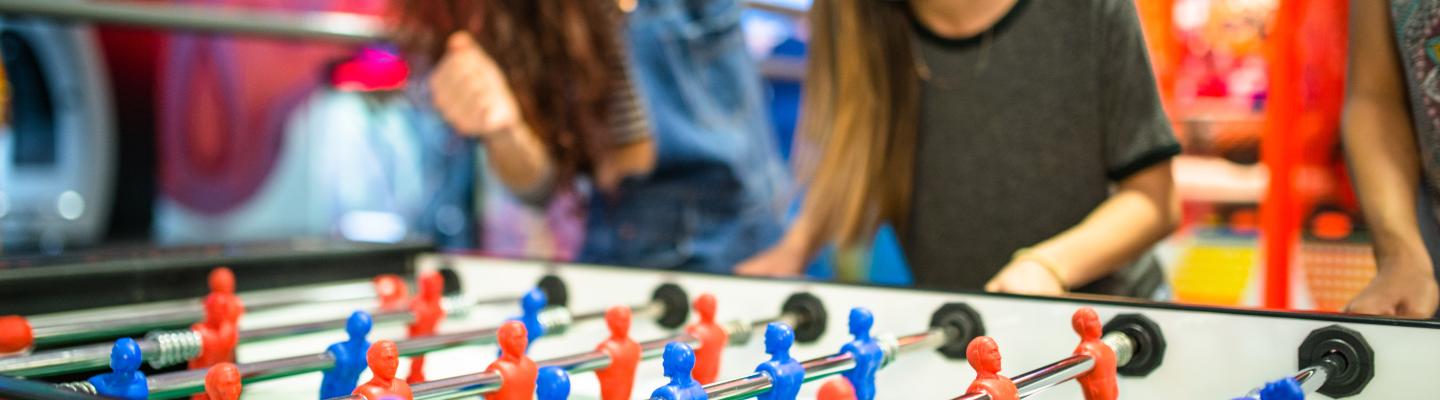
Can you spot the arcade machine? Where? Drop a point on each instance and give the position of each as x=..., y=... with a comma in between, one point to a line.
x=58, y=147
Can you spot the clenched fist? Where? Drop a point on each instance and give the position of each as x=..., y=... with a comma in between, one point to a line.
x=471, y=93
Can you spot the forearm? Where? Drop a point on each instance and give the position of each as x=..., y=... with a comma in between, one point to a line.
x=635, y=158
x=1385, y=162
x=520, y=161
x=1115, y=234
x=803, y=237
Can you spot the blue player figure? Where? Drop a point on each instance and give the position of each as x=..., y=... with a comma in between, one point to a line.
x=679, y=360
x=865, y=351
x=530, y=306
x=785, y=373
x=125, y=381
x=552, y=384
x=1283, y=389
x=341, y=379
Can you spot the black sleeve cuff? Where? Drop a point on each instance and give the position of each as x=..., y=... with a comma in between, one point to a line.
x=1145, y=160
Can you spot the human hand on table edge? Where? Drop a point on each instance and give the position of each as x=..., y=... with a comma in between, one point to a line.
x=1404, y=287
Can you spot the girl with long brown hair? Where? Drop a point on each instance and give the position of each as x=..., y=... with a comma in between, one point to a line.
x=553, y=88
x=1016, y=145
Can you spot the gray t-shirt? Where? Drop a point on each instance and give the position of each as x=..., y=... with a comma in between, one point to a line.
x=1023, y=130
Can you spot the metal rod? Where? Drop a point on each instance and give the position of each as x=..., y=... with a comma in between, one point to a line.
x=1048, y=376
x=1310, y=378
x=334, y=26
x=69, y=327
x=1040, y=379
x=180, y=384
x=480, y=383
x=118, y=324
x=486, y=382
x=822, y=367
x=20, y=389
x=166, y=348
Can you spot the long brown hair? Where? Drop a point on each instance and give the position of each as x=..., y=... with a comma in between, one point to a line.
x=561, y=58
x=859, y=121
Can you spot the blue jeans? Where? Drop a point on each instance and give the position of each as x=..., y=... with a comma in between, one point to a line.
x=716, y=195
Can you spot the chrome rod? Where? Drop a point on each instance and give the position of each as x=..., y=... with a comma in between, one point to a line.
x=1310, y=378
x=1040, y=379
x=19, y=389
x=819, y=368
x=180, y=384
x=107, y=323
x=1045, y=377
x=480, y=383
x=1048, y=376
x=166, y=348
x=118, y=324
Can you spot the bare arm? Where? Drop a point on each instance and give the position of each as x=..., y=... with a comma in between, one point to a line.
x=1142, y=211
x=1380, y=144
x=472, y=95
x=789, y=257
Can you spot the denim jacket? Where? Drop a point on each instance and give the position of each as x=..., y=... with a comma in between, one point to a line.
x=716, y=195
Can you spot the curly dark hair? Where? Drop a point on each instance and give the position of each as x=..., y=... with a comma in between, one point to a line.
x=562, y=59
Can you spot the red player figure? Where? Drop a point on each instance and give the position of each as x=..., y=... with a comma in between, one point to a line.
x=222, y=382
x=427, y=313
x=517, y=372
x=383, y=359
x=222, y=284
x=391, y=292
x=218, y=334
x=837, y=389
x=617, y=380
x=711, y=337
x=984, y=356
x=15, y=334
x=218, y=331
x=1100, y=383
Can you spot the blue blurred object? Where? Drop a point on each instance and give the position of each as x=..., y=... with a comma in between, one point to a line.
x=887, y=259
x=785, y=96
x=715, y=197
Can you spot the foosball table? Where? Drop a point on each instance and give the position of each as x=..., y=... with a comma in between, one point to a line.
x=521, y=330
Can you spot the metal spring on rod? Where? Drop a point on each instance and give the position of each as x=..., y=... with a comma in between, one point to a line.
x=82, y=387
x=740, y=331
x=456, y=305
x=556, y=319
x=173, y=347
x=890, y=346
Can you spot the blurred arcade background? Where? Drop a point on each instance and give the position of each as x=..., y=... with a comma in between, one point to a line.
x=129, y=136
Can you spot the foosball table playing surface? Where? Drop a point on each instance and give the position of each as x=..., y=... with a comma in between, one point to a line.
x=693, y=336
